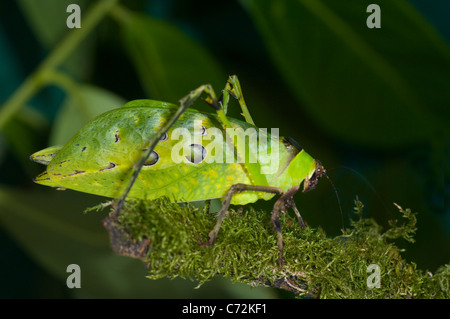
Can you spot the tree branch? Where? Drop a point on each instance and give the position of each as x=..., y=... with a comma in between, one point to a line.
x=123, y=244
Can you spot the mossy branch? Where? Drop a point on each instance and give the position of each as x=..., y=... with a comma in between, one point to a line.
x=166, y=236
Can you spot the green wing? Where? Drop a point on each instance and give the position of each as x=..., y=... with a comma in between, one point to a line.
x=100, y=157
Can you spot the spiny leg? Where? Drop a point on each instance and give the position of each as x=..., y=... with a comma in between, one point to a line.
x=235, y=189
x=290, y=203
x=154, y=139
x=280, y=206
x=252, y=169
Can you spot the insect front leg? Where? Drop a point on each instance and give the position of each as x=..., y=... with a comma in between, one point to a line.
x=154, y=139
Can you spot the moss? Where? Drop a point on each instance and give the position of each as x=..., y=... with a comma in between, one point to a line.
x=246, y=251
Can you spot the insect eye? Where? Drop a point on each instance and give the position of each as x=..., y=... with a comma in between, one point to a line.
x=152, y=159
x=165, y=137
x=197, y=153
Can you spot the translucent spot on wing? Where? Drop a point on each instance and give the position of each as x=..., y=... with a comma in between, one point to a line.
x=165, y=137
x=198, y=153
x=153, y=159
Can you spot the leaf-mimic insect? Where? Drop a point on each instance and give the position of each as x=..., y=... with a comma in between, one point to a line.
x=148, y=149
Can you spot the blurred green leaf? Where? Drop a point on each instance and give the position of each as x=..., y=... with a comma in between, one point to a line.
x=75, y=113
x=169, y=63
x=22, y=134
x=49, y=225
x=375, y=87
x=48, y=22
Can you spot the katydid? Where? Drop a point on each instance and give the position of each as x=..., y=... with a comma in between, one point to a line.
x=134, y=152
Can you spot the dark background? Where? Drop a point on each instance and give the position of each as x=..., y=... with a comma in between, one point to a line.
x=371, y=104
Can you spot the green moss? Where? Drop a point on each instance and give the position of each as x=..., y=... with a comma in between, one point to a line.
x=246, y=251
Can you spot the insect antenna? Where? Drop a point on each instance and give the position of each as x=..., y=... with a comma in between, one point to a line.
x=338, y=199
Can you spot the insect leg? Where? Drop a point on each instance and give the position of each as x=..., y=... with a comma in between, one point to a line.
x=233, y=88
x=154, y=139
x=280, y=206
x=207, y=206
x=290, y=202
x=235, y=189
x=252, y=169
x=211, y=99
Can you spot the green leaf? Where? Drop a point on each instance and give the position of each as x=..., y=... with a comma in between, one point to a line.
x=76, y=112
x=384, y=87
x=169, y=63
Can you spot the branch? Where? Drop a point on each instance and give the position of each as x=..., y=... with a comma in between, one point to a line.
x=123, y=244
x=166, y=237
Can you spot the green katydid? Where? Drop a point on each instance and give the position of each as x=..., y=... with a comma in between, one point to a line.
x=128, y=152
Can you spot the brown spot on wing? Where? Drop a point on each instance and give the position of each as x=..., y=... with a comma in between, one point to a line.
x=110, y=166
